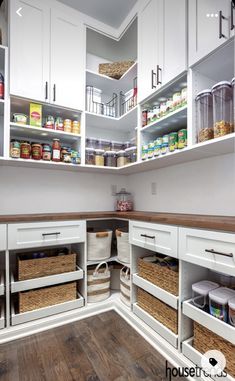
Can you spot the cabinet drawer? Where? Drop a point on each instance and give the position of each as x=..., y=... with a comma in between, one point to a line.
x=28, y=235
x=210, y=249
x=3, y=237
x=156, y=237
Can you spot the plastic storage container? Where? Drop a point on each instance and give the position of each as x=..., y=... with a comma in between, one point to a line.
x=131, y=154
x=99, y=157
x=222, y=109
x=218, y=302
x=90, y=156
x=124, y=201
x=110, y=159
x=200, y=291
x=231, y=306
x=121, y=158
x=204, y=116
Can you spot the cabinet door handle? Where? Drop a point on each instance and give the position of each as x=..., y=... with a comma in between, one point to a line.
x=159, y=70
x=153, y=74
x=147, y=236
x=232, y=10
x=221, y=18
x=54, y=93
x=230, y=255
x=46, y=234
x=46, y=90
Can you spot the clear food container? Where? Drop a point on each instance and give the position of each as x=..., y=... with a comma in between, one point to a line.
x=121, y=158
x=231, y=306
x=218, y=302
x=204, y=116
x=99, y=157
x=200, y=293
x=124, y=202
x=222, y=109
x=90, y=156
x=131, y=154
x=110, y=159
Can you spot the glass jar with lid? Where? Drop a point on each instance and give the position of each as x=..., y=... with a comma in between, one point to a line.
x=110, y=159
x=90, y=156
x=204, y=116
x=121, y=158
x=222, y=109
x=124, y=202
x=99, y=157
x=131, y=154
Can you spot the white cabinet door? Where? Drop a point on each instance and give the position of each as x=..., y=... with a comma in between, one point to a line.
x=29, y=48
x=67, y=58
x=174, y=41
x=208, y=26
x=147, y=49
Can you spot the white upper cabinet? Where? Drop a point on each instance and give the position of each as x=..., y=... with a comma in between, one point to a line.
x=67, y=59
x=209, y=26
x=47, y=53
x=147, y=49
x=162, y=44
x=29, y=48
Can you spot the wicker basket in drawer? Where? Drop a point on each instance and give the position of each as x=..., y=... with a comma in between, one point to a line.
x=205, y=340
x=47, y=296
x=40, y=267
x=115, y=69
x=165, y=314
x=162, y=276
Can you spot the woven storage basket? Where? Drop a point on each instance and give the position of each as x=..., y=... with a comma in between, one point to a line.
x=99, y=245
x=115, y=69
x=48, y=296
x=40, y=267
x=205, y=340
x=162, y=276
x=98, y=283
x=165, y=314
x=125, y=286
x=123, y=246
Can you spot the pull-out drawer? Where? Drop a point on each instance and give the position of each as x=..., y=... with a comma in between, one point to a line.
x=39, y=234
x=3, y=237
x=156, y=237
x=214, y=250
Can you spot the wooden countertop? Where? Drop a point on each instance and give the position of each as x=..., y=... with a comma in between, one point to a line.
x=189, y=220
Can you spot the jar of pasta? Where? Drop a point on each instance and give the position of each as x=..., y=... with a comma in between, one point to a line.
x=222, y=109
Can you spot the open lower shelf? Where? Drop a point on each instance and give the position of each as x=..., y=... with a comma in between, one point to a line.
x=2, y=286
x=196, y=357
x=23, y=285
x=30, y=132
x=158, y=327
x=170, y=123
x=20, y=318
x=156, y=291
x=210, y=322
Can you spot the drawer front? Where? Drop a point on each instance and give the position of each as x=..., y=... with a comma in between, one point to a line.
x=155, y=237
x=3, y=237
x=210, y=249
x=29, y=235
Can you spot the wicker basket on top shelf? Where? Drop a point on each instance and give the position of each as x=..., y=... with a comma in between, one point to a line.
x=116, y=69
x=206, y=340
x=162, y=276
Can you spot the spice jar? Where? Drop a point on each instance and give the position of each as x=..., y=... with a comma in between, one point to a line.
x=131, y=154
x=1, y=86
x=76, y=127
x=99, y=157
x=15, y=149
x=50, y=122
x=46, y=152
x=63, y=152
x=67, y=125
x=67, y=157
x=59, y=124
x=121, y=158
x=56, y=148
x=25, y=150
x=36, y=151
x=204, y=115
x=222, y=109
x=90, y=156
x=110, y=159
x=124, y=201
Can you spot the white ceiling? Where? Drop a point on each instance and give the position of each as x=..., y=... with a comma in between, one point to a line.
x=111, y=12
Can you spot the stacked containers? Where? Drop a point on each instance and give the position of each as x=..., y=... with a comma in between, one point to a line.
x=218, y=301
x=222, y=108
x=204, y=111
x=201, y=292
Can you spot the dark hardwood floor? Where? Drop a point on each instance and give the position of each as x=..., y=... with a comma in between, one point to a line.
x=100, y=348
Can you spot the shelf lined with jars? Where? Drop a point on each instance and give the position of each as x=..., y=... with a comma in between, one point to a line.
x=110, y=153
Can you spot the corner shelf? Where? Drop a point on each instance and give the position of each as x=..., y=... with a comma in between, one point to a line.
x=158, y=327
x=169, y=123
x=156, y=291
x=31, y=284
x=219, y=327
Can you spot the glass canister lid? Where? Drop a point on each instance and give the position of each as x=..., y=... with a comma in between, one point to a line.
x=203, y=93
x=221, y=84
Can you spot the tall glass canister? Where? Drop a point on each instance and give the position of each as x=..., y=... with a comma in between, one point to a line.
x=222, y=109
x=204, y=116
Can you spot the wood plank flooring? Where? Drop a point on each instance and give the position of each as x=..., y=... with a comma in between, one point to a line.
x=99, y=348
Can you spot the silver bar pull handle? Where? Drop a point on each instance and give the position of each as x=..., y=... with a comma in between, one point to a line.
x=47, y=234
x=147, y=236
x=229, y=255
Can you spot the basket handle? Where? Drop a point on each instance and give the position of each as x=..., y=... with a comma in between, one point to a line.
x=96, y=272
x=125, y=273
x=102, y=234
x=118, y=233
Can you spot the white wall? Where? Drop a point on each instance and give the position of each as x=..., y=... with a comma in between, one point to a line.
x=26, y=190
x=206, y=186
